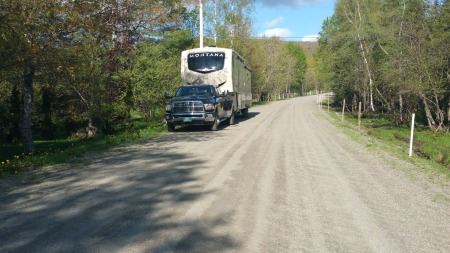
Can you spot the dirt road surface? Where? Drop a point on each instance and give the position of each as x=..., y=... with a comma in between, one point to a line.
x=283, y=180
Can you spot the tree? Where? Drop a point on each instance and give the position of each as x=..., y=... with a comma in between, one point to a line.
x=399, y=52
x=301, y=65
x=232, y=25
x=33, y=32
x=273, y=67
x=77, y=54
x=157, y=69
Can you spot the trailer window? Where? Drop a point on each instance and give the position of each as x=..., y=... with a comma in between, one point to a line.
x=206, y=62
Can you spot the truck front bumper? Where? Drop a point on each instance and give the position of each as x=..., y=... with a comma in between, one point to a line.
x=205, y=118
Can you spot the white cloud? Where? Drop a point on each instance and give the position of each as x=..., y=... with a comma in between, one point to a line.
x=276, y=32
x=313, y=37
x=274, y=22
x=292, y=3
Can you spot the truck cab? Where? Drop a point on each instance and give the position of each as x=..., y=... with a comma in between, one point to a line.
x=198, y=105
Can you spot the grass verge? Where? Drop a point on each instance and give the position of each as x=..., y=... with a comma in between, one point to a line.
x=432, y=148
x=13, y=160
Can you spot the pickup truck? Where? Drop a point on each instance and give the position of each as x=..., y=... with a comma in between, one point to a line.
x=198, y=105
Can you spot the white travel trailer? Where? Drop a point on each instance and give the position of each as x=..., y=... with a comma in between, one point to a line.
x=222, y=68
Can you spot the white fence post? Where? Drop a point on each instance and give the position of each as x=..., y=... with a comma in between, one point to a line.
x=412, y=134
x=328, y=104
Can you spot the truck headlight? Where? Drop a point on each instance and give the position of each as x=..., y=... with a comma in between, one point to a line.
x=168, y=107
x=209, y=107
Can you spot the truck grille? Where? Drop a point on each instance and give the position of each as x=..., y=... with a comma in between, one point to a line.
x=189, y=106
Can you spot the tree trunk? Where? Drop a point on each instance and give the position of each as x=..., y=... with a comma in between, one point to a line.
x=27, y=134
x=47, y=125
x=400, y=104
x=448, y=113
x=369, y=74
x=431, y=121
x=364, y=49
x=440, y=118
x=448, y=116
x=14, y=131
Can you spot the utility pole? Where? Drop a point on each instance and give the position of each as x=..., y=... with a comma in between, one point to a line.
x=201, y=24
x=215, y=22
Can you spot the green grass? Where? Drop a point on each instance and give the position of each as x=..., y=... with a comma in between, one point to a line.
x=13, y=160
x=430, y=146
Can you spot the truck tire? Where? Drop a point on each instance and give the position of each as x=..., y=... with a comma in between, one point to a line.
x=170, y=127
x=215, y=125
x=230, y=120
x=244, y=113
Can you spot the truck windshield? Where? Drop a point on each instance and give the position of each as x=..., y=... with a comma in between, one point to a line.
x=206, y=62
x=194, y=90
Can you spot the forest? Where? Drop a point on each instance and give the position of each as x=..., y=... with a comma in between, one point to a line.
x=391, y=55
x=68, y=64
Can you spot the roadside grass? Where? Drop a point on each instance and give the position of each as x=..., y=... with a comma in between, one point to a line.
x=261, y=102
x=433, y=148
x=13, y=160
x=68, y=150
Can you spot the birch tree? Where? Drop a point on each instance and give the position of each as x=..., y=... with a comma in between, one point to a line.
x=397, y=48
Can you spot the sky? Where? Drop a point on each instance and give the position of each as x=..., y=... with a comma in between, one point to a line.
x=296, y=20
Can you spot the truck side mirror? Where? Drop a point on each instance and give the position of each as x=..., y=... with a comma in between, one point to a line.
x=166, y=95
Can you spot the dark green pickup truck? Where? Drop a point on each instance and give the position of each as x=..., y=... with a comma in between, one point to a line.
x=199, y=105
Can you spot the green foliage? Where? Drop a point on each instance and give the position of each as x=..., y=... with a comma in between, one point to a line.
x=231, y=23
x=301, y=66
x=80, y=58
x=156, y=70
x=273, y=67
x=391, y=55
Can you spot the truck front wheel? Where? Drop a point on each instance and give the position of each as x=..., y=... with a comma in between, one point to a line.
x=230, y=120
x=170, y=127
x=215, y=126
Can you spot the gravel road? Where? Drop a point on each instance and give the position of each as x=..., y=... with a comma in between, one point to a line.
x=283, y=180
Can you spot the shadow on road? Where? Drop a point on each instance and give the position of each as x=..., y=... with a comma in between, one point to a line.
x=223, y=125
x=125, y=201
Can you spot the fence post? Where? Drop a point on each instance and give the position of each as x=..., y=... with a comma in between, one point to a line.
x=343, y=107
x=412, y=134
x=328, y=104
x=321, y=100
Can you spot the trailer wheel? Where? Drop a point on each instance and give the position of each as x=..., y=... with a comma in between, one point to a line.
x=215, y=126
x=244, y=112
x=170, y=127
x=230, y=120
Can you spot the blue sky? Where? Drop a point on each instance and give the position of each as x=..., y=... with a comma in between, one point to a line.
x=291, y=19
